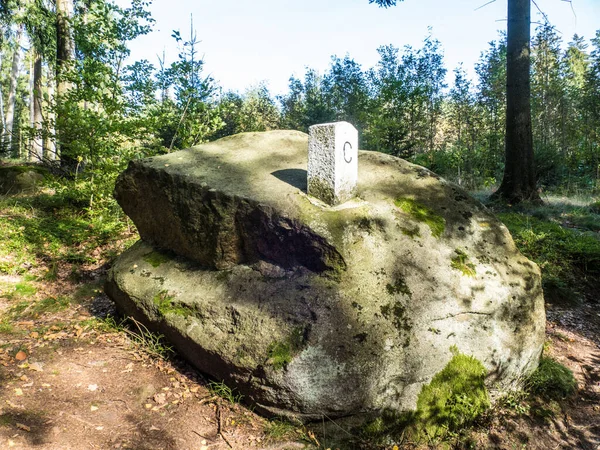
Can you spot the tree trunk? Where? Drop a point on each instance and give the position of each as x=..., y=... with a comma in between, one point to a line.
x=2, y=116
x=49, y=136
x=65, y=55
x=37, y=152
x=518, y=183
x=7, y=140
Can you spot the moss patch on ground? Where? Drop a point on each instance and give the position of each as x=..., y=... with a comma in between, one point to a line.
x=420, y=212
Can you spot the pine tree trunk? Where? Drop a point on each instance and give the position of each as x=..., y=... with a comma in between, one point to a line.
x=518, y=183
x=2, y=116
x=12, y=92
x=49, y=136
x=37, y=152
x=65, y=55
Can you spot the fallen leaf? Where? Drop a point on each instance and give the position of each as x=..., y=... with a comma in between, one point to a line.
x=93, y=408
x=21, y=356
x=36, y=366
x=23, y=427
x=18, y=392
x=34, y=334
x=148, y=405
x=160, y=398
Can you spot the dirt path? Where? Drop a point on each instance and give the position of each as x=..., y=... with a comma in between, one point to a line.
x=570, y=424
x=67, y=382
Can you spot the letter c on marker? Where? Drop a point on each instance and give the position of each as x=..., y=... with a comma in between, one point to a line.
x=347, y=160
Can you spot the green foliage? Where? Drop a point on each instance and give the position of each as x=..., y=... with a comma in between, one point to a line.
x=151, y=343
x=58, y=225
x=224, y=391
x=551, y=380
x=461, y=262
x=276, y=430
x=562, y=254
x=422, y=213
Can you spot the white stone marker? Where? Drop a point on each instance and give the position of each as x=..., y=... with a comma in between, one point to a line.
x=332, y=162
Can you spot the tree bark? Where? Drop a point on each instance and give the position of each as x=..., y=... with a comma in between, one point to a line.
x=37, y=152
x=49, y=137
x=519, y=182
x=7, y=140
x=2, y=116
x=65, y=55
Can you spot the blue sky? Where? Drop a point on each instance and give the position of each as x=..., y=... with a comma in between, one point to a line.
x=245, y=42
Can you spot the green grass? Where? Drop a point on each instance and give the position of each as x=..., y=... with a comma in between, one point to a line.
x=224, y=391
x=566, y=257
x=551, y=380
x=22, y=290
x=152, y=343
x=6, y=327
x=54, y=225
x=49, y=305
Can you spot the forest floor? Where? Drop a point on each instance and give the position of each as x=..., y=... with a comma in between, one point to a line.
x=73, y=377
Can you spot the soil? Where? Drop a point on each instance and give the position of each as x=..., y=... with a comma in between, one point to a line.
x=67, y=383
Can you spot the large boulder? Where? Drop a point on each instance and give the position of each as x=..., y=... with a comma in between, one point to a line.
x=21, y=179
x=311, y=310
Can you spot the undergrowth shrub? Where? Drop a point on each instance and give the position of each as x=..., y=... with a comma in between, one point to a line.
x=562, y=254
x=551, y=380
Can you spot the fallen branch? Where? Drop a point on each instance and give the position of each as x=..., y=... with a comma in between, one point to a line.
x=219, y=426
